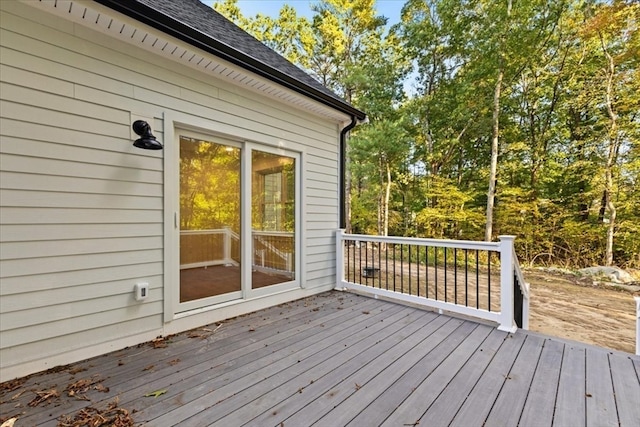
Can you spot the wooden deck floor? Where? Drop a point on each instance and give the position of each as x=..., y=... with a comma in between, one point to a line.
x=342, y=359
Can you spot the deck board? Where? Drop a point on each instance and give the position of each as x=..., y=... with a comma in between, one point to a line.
x=444, y=408
x=538, y=409
x=601, y=406
x=317, y=387
x=347, y=377
x=302, y=372
x=570, y=400
x=477, y=406
x=344, y=359
x=435, y=381
x=626, y=387
x=508, y=407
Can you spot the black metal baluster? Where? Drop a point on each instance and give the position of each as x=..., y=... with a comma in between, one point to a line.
x=426, y=268
x=354, y=260
x=348, y=259
x=435, y=267
x=445, y=274
x=477, y=279
x=360, y=263
x=366, y=263
x=380, y=265
x=394, y=267
x=455, y=275
x=489, y=280
x=386, y=270
x=402, y=268
x=418, y=270
x=410, y=269
x=466, y=278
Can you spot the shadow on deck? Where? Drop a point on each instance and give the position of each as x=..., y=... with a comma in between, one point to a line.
x=342, y=359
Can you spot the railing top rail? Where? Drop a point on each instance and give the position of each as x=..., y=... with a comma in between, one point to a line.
x=205, y=231
x=459, y=244
x=273, y=233
x=233, y=233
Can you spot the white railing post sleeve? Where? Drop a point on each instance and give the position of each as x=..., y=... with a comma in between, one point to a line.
x=339, y=259
x=227, y=245
x=506, y=284
x=637, y=325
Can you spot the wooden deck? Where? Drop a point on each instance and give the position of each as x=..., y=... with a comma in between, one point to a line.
x=342, y=359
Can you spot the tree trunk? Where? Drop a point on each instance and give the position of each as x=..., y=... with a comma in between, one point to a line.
x=612, y=155
x=493, y=173
x=386, y=202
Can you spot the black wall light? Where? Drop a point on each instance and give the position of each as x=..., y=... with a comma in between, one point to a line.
x=146, y=141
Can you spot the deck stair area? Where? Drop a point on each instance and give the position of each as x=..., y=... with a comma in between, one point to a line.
x=343, y=359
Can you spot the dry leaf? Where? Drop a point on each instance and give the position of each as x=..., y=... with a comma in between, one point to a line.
x=102, y=388
x=111, y=416
x=43, y=396
x=9, y=422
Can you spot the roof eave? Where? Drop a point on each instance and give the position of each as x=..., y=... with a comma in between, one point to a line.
x=175, y=28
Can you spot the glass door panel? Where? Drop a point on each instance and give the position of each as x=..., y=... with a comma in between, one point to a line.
x=273, y=214
x=210, y=245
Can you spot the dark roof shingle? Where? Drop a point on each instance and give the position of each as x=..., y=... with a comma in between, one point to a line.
x=201, y=26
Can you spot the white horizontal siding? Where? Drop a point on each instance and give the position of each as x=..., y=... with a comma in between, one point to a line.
x=56, y=296
x=81, y=209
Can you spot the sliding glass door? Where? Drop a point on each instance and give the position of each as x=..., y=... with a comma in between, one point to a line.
x=210, y=217
x=273, y=218
x=237, y=220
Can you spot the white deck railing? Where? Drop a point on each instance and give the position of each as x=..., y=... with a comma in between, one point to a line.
x=407, y=269
x=637, y=325
x=202, y=248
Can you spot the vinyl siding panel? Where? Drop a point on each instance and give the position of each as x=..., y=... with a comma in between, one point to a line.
x=81, y=209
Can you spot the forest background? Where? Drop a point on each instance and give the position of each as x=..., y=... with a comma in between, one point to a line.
x=523, y=118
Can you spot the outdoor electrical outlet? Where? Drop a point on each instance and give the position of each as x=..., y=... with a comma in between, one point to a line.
x=142, y=291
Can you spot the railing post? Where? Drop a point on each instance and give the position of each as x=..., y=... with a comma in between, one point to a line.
x=637, y=325
x=506, y=284
x=339, y=259
x=227, y=245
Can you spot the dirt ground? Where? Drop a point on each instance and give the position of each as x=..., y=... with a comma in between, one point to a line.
x=561, y=306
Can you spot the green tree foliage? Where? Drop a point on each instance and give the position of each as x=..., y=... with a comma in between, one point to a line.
x=544, y=94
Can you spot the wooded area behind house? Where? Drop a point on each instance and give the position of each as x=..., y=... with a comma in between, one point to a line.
x=485, y=118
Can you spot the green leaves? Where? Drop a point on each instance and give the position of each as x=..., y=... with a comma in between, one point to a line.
x=156, y=393
x=568, y=116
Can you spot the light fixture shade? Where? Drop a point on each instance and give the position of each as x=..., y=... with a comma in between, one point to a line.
x=146, y=141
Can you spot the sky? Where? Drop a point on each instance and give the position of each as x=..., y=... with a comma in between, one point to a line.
x=389, y=8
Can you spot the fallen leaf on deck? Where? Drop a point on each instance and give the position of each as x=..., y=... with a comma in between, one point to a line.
x=159, y=343
x=111, y=416
x=9, y=422
x=102, y=388
x=12, y=385
x=43, y=396
x=84, y=385
x=14, y=397
x=155, y=393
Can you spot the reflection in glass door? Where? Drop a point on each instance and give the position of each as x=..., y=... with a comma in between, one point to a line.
x=210, y=245
x=273, y=214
